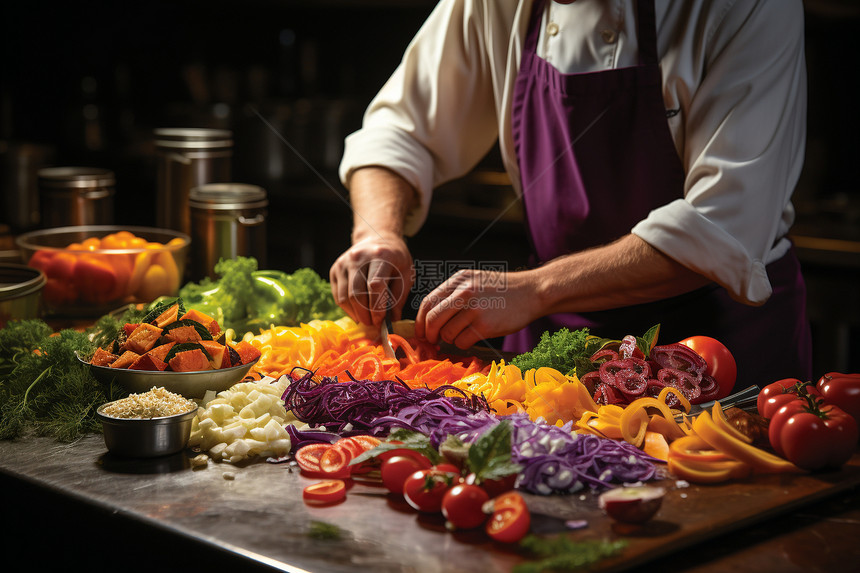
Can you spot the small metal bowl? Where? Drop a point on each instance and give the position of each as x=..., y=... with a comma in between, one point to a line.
x=187, y=384
x=146, y=437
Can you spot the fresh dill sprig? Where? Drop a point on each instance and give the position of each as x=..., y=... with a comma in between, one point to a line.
x=561, y=553
x=48, y=390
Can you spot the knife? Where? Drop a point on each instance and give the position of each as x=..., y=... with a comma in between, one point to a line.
x=742, y=399
x=386, y=329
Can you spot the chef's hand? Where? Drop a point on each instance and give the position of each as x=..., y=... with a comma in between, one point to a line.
x=474, y=305
x=373, y=274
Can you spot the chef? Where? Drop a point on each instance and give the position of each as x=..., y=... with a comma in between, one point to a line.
x=655, y=145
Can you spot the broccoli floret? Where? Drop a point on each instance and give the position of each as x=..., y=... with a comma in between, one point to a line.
x=562, y=350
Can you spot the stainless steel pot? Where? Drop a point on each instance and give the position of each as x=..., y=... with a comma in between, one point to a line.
x=71, y=196
x=227, y=220
x=187, y=158
x=20, y=292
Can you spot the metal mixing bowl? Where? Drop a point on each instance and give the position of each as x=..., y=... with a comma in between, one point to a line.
x=187, y=384
x=146, y=437
x=20, y=292
x=70, y=292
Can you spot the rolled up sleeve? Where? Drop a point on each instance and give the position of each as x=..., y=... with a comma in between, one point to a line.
x=743, y=130
x=435, y=118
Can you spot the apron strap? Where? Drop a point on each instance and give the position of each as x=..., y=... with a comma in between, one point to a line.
x=533, y=34
x=646, y=30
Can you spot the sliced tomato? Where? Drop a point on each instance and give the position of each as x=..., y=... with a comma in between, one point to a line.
x=507, y=499
x=510, y=520
x=308, y=457
x=335, y=460
x=325, y=491
x=366, y=442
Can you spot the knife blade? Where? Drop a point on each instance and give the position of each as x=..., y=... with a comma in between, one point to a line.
x=386, y=329
x=741, y=399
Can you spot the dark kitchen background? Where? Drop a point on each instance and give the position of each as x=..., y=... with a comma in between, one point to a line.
x=87, y=83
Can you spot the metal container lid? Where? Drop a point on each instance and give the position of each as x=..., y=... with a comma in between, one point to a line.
x=19, y=280
x=75, y=178
x=227, y=196
x=193, y=138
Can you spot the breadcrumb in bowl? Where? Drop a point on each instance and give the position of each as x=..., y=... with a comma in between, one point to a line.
x=150, y=424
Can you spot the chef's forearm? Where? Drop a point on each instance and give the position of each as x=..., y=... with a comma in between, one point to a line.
x=380, y=201
x=627, y=271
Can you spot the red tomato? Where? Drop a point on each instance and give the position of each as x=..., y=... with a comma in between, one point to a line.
x=396, y=469
x=406, y=452
x=463, y=506
x=425, y=489
x=95, y=279
x=335, y=460
x=41, y=259
x=721, y=364
x=775, y=395
x=496, y=487
x=813, y=435
x=325, y=491
x=364, y=442
x=308, y=458
x=841, y=390
x=510, y=520
x=445, y=467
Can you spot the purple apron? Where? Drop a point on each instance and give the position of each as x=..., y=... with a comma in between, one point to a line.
x=596, y=156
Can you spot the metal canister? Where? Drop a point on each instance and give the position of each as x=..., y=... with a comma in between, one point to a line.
x=188, y=158
x=227, y=220
x=71, y=196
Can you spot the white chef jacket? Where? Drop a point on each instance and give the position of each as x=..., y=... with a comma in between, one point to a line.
x=733, y=69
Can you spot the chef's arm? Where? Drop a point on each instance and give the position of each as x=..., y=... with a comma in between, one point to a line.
x=625, y=272
x=377, y=268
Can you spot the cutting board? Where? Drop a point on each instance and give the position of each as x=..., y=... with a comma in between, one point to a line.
x=693, y=513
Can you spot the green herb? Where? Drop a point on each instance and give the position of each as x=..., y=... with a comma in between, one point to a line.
x=490, y=455
x=401, y=438
x=48, y=390
x=323, y=530
x=563, y=350
x=563, y=554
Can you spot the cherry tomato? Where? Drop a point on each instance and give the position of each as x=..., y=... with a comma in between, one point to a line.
x=406, y=452
x=325, y=491
x=510, y=520
x=841, y=390
x=463, y=506
x=721, y=364
x=396, y=469
x=446, y=467
x=496, y=487
x=424, y=489
x=813, y=435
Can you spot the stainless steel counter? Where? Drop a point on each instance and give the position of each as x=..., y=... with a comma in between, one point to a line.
x=75, y=503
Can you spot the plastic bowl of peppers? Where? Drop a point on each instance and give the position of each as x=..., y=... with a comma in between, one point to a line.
x=92, y=269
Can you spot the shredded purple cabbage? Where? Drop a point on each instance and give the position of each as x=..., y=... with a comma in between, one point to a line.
x=371, y=406
x=554, y=460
